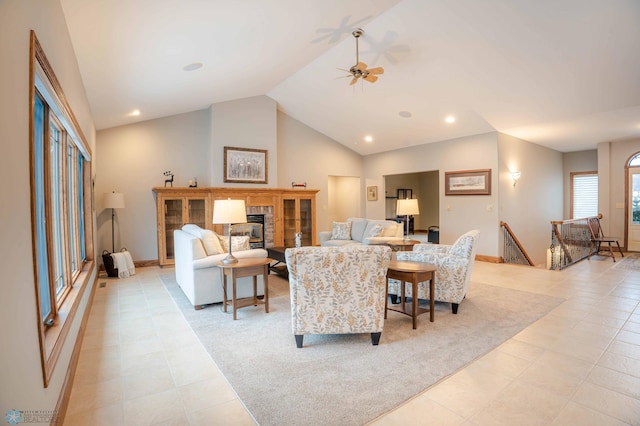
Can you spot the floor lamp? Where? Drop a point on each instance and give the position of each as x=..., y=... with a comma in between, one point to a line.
x=408, y=207
x=113, y=200
x=226, y=212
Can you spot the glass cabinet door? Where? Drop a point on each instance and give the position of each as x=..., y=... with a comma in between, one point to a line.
x=197, y=214
x=305, y=222
x=289, y=218
x=172, y=221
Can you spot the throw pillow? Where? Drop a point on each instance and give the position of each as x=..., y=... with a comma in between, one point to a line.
x=341, y=231
x=211, y=242
x=376, y=231
x=238, y=243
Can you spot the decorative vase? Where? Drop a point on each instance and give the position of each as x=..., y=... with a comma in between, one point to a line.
x=298, y=239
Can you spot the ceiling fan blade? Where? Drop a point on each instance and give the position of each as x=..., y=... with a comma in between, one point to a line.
x=342, y=69
x=371, y=78
x=377, y=70
x=361, y=66
x=354, y=81
x=343, y=76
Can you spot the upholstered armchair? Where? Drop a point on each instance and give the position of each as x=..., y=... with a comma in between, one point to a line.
x=337, y=290
x=454, y=264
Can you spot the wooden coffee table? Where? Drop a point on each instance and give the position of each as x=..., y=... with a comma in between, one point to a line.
x=245, y=268
x=277, y=255
x=414, y=273
x=402, y=245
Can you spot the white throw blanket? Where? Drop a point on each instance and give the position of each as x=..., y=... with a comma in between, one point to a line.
x=123, y=262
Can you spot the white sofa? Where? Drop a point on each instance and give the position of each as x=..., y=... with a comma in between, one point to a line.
x=196, y=273
x=362, y=231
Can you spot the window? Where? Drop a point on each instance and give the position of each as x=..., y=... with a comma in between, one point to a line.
x=60, y=168
x=584, y=194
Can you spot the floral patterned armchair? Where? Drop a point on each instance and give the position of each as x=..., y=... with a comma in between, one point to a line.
x=338, y=290
x=454, y=264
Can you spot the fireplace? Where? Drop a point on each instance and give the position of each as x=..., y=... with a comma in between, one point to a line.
x=254, y=228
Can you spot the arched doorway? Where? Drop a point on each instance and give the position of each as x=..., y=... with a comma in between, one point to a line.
x=633, y=203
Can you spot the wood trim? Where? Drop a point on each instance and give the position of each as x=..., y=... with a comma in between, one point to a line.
x=490, y=259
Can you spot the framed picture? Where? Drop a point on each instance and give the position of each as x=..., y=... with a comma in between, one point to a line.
x=372, y=193
x=468, y=182
x=245, y=165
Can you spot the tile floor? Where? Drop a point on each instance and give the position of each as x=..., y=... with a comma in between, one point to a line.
x=141, y=364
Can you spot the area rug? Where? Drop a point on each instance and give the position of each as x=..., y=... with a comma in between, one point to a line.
x=343, y=379
x=630, y=262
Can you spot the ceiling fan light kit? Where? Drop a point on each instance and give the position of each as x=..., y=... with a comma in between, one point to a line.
x=360, y=70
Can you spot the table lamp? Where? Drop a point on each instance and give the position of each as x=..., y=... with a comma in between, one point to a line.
x=406, y=208
x=227, y=212
x=113, y=200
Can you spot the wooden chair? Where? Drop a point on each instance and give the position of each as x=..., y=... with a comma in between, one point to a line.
x=597, y=238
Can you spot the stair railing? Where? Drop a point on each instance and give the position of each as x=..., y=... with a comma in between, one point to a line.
x=513, y=251
x=570, y=242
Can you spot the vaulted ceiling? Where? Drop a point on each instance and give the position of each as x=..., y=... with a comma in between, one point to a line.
x=562, y=74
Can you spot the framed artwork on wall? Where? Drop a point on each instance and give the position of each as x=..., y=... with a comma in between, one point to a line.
x=245, y=165
x=372, y=193
x=468, y=182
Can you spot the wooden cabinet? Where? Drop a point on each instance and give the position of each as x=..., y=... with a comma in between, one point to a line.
x=293, y=210
x=298, y=216
x=174, y=210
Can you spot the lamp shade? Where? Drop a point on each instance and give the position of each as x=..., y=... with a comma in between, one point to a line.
x=229, y=211
x=113, y=200
x=407, y=207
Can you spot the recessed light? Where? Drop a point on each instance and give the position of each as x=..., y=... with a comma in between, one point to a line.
x=405, y=114
x=450, y=119
x=135, y=113
x=192, y=67
x=368, y=138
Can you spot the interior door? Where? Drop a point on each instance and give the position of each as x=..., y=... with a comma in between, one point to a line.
x=633, y=236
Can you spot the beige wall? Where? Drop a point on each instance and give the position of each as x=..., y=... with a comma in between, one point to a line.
x=457, y=214
x=21, y=384
x=537, y=198
x=343, y=195
x=612, y=159
x=305, y=155
x=244, y=123
x=132, y=160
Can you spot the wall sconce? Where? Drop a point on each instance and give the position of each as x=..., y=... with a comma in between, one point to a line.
x=515, y=176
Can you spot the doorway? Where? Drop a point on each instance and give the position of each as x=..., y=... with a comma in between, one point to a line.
x=424, y=187
x=633, y=208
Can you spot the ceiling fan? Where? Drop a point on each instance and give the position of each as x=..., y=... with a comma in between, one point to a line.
x=359, y=70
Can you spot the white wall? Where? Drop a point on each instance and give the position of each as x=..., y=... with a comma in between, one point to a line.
x=612, y=159
x=578, y=161
x=244, y=123
x=537, y=198
x=21, y=384
x=457, y=214
x=132, y=160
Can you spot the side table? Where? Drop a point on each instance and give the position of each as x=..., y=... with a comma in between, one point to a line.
x=414, y=273
x=245, y=268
